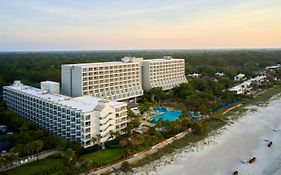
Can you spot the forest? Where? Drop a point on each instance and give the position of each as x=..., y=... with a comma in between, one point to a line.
x=31, y=68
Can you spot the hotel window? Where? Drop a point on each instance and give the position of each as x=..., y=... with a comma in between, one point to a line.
x=88, y=117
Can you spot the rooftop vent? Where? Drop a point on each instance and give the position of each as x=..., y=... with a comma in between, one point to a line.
x=61, y=98
x=45, y=92
x=17, y=83
x=126, y=59
x=168, y=57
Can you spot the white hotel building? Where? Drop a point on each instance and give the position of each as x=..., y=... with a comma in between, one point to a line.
x=108, y=80
x=166, y=73
x=79, y=118
x=122, y=80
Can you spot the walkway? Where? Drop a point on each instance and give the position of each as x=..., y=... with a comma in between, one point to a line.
x=135, y=158
x=29, y=159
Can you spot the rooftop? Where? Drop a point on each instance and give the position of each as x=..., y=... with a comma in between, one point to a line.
x=165, y=58
x=50, y=82
x=83, y=103
x=247, y=83
x=273, y=67
x=240, y=75
x=126, y=60
x=112, y=63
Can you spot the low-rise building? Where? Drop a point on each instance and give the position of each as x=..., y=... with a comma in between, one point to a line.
x=240, y=77
x=194, y=75
x=80, y=118
x=220, y=74
x=273, y=68
x=245, y=87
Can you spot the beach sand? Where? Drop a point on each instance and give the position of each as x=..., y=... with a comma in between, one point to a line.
x=225, y=153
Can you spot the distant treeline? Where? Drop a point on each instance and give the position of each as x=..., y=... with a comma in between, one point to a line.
x=31, y=68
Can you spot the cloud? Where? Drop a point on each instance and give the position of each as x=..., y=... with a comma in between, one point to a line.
x=107, y=10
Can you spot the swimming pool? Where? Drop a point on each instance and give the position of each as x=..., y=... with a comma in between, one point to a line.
x=167, y=116
x=159, y=109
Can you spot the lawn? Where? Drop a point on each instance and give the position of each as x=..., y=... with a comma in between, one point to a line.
x=45, y=166
x=105, y=156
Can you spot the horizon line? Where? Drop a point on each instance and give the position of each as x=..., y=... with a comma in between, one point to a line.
x=148, y=49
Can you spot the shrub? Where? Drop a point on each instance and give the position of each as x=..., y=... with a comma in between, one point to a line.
x=125, y=166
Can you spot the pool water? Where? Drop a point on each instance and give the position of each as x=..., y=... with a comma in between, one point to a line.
x=159, y=109
x=167, y=116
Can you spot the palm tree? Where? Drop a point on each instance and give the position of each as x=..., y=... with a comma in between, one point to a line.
x=38, y=146
x=112, y=134
x=29, y=149
x=70, y=155
x=10, y=158
x=2, y=162
x=129, y=128
x=99, y=139
x=94, y=139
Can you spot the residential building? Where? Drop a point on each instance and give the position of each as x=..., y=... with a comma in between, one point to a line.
x=245, y=87
x=108, y=80
x=274, y=68
x=196, y=75
x=239, y=77
x=166, y=73
x=220, y=74
x=80, y=118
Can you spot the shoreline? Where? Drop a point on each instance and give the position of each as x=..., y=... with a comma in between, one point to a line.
x=213, y=141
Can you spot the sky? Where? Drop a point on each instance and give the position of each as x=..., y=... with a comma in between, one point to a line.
x=48, y=25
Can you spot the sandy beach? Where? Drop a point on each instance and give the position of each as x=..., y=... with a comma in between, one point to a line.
x=227, y=152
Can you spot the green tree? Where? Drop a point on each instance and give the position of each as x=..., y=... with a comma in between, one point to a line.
x=183, y=90
x=2, y=162
x=144, y=107
x=198, y=84
x=70, y=155
x=156, y=93
x=11, y=158
x=94, y=139
x=135, y=122
x=30, y=148
x=99, y=138
x=198, y=129
x=86, y=164
x=125, y=166
x=38, y=146
x=203, y=109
